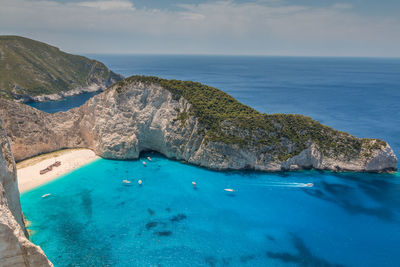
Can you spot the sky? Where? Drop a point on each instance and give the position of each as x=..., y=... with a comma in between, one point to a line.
x=356, y=28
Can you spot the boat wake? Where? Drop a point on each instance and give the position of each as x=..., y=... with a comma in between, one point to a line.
x=281, y=184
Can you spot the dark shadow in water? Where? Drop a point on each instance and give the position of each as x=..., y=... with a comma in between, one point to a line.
x=150, y=225
x=376, y=186
x=86, y=198
x=303, y=257
x=178, y=218
x=226, y=261
x=247, y=258
x=163, y=233
x=345, y=197
x=76, y=236
x=151, y=212
x=270, y=238
x=211, y=261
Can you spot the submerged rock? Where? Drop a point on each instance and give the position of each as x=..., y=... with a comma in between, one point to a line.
x=191, y=122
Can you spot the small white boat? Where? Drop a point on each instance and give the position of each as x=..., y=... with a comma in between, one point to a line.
x=309, y=185
x=126, y=181
x=194, y=184
x=46, y=195
x=149, y=158
x=144, y=163
x=229, y=190
x=140, y=182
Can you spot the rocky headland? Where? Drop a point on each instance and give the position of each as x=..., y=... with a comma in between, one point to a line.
x=34, y=71
x=192, y=122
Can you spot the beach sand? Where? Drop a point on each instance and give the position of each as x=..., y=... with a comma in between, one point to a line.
x=28, y=171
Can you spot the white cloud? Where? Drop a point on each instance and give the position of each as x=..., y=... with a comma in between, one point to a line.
x=261, y=27
x=108, y=5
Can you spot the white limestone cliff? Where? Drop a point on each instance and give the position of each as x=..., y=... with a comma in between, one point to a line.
x=124, y=121
x=15, y=249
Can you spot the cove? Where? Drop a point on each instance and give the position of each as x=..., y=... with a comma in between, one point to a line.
x=93, y=219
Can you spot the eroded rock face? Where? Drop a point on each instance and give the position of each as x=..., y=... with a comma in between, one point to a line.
x=15, y=249
x=121, y=122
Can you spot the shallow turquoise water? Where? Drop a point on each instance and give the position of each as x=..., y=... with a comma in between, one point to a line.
x=93, y=219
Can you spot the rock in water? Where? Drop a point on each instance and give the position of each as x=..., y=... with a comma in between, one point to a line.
x=15, y=249
x=192, y=122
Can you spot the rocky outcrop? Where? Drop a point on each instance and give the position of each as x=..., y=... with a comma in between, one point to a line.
x=15, y=249
x=96, y=86
x=136, y=116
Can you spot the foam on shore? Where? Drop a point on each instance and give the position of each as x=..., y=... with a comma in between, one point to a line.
x=28, y=171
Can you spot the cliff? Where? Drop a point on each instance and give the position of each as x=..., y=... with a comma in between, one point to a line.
x=191, y=122
x=35, y=71
x=15, y=248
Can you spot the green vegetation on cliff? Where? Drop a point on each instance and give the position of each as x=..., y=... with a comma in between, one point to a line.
x=229, y=121
x=29, y=67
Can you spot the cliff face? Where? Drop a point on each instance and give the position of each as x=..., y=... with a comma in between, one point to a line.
x=35, y=71
x=15, y=248
x=138, y=115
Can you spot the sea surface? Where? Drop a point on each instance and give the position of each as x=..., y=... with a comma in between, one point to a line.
x=351, y=219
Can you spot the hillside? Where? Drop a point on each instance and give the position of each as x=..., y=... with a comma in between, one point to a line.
x=29, y=69
x=192, y=122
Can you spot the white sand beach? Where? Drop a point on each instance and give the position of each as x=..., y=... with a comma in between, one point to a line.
x=28, y=171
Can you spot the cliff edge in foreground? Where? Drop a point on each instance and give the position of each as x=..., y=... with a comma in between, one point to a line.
x=192, y=122
x=15, y=249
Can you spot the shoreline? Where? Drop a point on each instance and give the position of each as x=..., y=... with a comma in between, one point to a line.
x=28, y=171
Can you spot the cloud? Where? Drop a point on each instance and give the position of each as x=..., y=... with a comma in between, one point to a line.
x=342, y=6
x=228, y=27
x=108, y=5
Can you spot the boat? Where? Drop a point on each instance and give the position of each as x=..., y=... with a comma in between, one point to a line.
x=126, y=181
x=46, y=195
x=144, y=163
x=229, y=190
x=309, y=185
x=194, y=184
x=140, y=182
x=56, y=164
x=149, y=158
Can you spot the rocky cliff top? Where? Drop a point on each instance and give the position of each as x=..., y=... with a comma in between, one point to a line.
x=193, y=122
x=30, y=68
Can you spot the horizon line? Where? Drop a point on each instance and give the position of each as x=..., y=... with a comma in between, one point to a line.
x=237, y=55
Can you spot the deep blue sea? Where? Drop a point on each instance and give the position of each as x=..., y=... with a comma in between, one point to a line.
x=349, y=219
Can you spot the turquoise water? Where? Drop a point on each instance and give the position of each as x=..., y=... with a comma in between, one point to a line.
x=93, y=219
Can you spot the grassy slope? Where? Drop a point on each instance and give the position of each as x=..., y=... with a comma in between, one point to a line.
x=43, y=69
x=229, y=121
